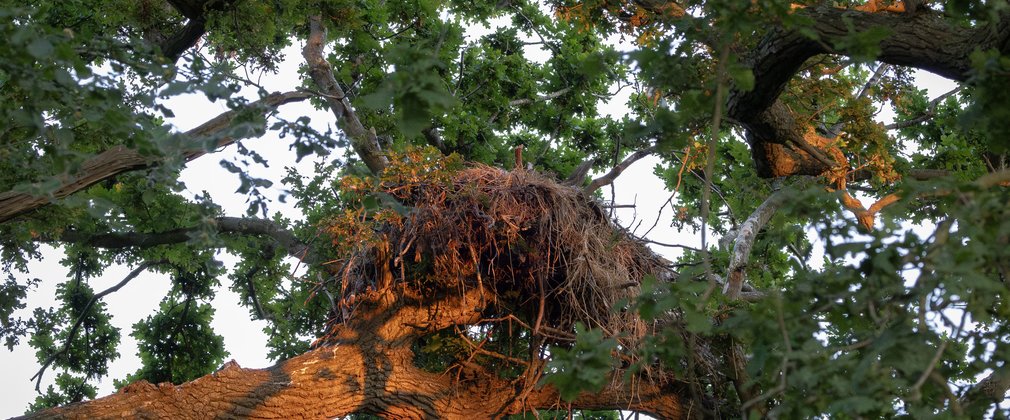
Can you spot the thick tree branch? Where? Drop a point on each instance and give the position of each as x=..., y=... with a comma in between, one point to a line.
x=923, y=40
x=364, y=142
x=121, y=159
x=926, y=41
x=226, y=225
x=433, y=137
x=366, y=366
x=578, y=174
x=745, y=238
x=173, y=46
x=609, y=177
x=182, y=40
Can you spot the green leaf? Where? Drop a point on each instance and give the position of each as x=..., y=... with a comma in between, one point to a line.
x=40, y=48
x=743, y=77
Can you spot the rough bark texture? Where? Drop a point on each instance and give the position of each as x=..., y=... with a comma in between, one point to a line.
x=366, y=367
x=923, y=40
x=363, y=141
x=367, y=363
x=745, y=237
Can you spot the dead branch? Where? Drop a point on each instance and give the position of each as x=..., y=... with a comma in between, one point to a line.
x=546, y=97
x=866, y=218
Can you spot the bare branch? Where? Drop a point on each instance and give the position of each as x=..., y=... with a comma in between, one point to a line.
x=687, y=247
x=364, y=142
x=836, y=129
x=874, y=79
x=609, y=177
x=547, y=97
x=525, y=101
x=121, y=159
x=866, y=218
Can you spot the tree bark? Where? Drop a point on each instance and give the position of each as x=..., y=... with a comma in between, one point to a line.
x=121, y=159
x=366, y=366
x=923, y=40
x=364, y=142
x=224, y=224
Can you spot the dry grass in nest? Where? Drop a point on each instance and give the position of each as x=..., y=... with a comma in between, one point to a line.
x=548, y=253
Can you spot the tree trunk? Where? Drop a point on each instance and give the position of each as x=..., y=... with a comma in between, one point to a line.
x=366, y=366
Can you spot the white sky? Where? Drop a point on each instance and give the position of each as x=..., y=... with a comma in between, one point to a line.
x=243, y=338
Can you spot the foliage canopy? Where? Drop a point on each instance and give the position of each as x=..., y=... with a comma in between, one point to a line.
x=761, y=117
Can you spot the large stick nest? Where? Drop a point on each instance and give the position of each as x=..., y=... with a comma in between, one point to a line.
x=541, y=250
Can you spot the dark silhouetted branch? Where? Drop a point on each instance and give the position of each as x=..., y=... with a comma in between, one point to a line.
x=609, y=177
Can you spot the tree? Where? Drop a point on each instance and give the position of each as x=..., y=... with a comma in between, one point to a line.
x=461, y=261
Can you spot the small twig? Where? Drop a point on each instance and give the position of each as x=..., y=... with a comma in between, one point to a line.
x=536, y=30
x=650, y=241
x=479, y=349
x=936, y=359
x=715, y=189
x=783, y=382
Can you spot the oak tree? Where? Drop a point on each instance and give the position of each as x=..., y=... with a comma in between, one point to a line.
x=462, y=258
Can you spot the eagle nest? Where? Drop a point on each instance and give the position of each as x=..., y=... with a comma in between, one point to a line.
x=542, y=251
